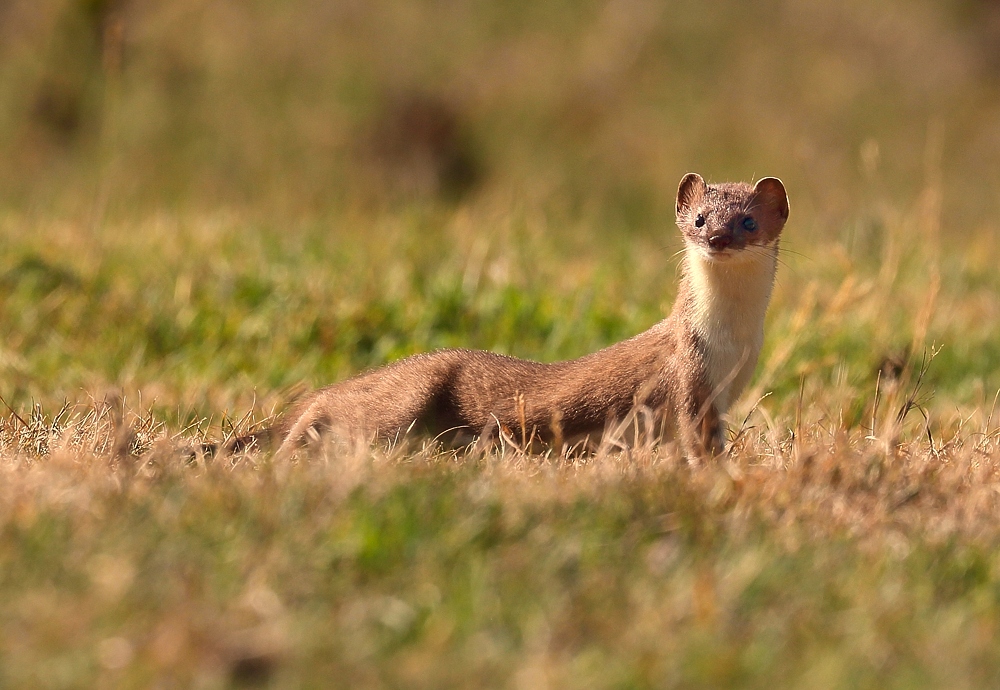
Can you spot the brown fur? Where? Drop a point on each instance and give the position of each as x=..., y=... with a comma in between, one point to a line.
x=676, y=369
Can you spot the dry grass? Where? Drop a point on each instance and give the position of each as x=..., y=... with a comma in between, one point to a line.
x=818, y=560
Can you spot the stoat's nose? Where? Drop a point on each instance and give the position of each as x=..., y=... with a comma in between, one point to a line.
x=720, y=242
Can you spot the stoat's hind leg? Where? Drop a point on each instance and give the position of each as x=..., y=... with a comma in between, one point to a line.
x=385, y=403
x=308, y=428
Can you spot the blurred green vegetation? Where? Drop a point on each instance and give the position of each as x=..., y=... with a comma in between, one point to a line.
x=592, y=106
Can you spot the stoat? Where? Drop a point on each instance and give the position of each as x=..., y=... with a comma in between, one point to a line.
x=686, y=370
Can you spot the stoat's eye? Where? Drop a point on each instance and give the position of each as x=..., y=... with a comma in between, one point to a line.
x=699, y=221
x=749, y=224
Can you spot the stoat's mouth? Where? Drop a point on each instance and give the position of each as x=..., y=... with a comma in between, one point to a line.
x=716, y=255
x=744, y=254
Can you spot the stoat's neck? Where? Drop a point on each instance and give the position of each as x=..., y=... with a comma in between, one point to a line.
x=728, y=301
x=732, y=294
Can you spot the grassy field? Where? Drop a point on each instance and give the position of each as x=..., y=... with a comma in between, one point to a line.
x=207, y=208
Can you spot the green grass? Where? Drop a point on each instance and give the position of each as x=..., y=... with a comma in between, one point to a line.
x=200, y=216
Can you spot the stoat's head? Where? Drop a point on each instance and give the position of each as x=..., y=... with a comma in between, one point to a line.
x=721, y=221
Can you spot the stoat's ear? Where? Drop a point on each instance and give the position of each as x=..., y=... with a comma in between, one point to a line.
x=772, y=193
x=691, y=188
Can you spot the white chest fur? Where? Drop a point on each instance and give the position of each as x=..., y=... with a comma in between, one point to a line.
x=730, y=301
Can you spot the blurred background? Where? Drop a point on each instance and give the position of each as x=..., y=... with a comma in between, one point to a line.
x=308, y=105
x=380, y=122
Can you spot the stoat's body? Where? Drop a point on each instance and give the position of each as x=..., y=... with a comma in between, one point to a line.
x=687, y=370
